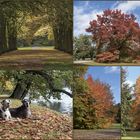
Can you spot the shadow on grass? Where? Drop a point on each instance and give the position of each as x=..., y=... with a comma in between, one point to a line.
x=27, y=58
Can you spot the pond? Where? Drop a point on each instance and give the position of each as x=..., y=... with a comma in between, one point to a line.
x=65, y=105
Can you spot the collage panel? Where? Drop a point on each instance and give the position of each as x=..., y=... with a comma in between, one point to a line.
x=97, y=103
x=130, y=103
x=35, y=33
x=36, y=104
x=106, y=32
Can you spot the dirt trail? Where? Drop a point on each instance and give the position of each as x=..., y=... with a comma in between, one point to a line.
x=33, y=59
x=102, y=134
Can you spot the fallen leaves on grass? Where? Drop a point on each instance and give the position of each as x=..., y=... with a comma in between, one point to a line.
x=44, y=124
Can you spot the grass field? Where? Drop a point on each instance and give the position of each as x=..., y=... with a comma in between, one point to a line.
x=34, y=58
x=43, y=124
x=132, y=135
x=115, y=126
x=112, y=133
x=92, y=63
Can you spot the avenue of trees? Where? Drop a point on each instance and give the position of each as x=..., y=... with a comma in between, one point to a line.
x=115, y=38
x=23, y=19
x=93, y=102
x=35, y=83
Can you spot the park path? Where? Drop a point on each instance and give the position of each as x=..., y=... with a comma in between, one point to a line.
x=101, y=134
x=33, y=58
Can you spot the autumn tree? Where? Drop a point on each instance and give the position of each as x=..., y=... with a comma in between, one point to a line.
x=92, y=102
x=115, y=30
x=14, y=12
x=102, y=95
x=125, y=103
x=136, y=105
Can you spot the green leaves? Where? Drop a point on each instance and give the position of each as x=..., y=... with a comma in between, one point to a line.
x=125, y=104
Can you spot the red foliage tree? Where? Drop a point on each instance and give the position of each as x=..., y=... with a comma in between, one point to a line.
x=103, y=101
x=113, y=29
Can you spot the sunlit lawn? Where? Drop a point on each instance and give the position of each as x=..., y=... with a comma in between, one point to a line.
x=115, y=126
x=104, y=64
x=111, y=133
x=36, y=48
x=132, y=135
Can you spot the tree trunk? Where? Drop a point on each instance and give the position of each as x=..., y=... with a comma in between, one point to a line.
x=3, y=34
x=20, y=91
x=63, y=39
x=12, y=35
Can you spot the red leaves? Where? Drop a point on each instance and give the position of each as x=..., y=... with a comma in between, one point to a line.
x=108, y=57
x=114, y=26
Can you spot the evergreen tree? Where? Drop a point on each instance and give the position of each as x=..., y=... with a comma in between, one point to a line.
x=125, y=103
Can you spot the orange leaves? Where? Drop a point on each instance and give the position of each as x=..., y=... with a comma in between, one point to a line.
x=136, y=105
x=103, y=98
x=45, y=124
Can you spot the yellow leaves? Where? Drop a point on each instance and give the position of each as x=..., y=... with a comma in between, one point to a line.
x=8, y=85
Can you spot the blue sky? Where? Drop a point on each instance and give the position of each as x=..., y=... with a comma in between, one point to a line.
x=133, y=72
x=107, y=74
x=85, y=11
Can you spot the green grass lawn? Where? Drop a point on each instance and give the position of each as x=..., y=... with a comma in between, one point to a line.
x=92, y=63
x=132, y=135
x=115, y=126
x=35, y=48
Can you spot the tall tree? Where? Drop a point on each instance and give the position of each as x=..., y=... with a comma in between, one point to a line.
x=92, y=102
x=125, y=103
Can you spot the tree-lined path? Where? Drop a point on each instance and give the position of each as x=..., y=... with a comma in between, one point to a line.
x=35, y=23
x=33, y=58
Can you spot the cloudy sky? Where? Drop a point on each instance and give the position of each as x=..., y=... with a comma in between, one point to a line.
x=107, y=74
x=133, y=72
x=85, y=11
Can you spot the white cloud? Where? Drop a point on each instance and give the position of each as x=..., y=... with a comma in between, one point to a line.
x=112, y=69
x=131, y=83
x=82, y=19
x=127, y=6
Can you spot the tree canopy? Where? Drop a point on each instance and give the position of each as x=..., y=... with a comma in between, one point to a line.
x=35, y=83
x=44, y=14
x=115, y=30
x=93, y=102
